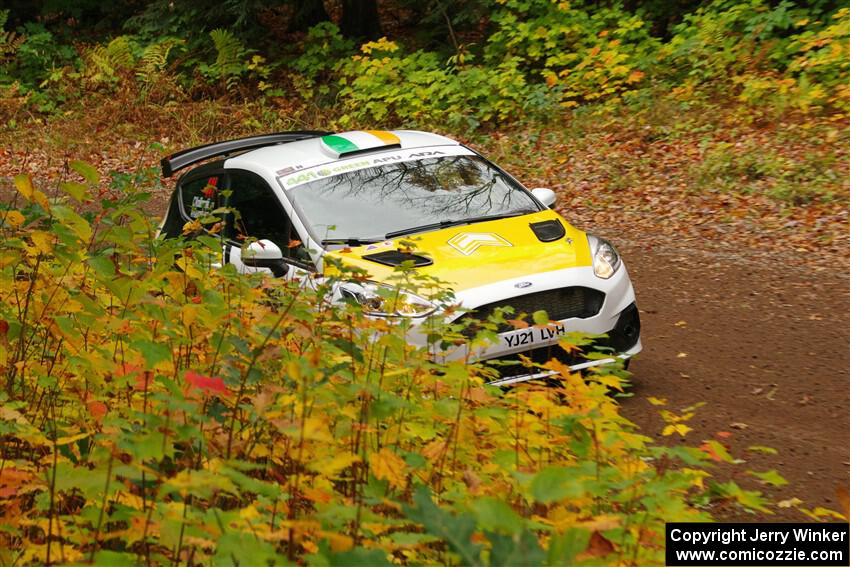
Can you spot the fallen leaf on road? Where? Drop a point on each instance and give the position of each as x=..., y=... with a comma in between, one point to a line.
x=683, y=375
x=656, y=401
x=682, y=355
x=770, y=477
x=681, y=323
x=723, y=434
x=789, y=503
x=762, y=449
x=738, y=425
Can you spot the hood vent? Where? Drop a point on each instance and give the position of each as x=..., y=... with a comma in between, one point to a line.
x=396, y=257
x=548, y=231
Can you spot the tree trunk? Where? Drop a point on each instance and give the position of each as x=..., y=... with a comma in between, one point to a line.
x=308, y=13
x=360, y=19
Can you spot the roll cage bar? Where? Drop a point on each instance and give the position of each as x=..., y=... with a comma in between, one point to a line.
x=184, y=158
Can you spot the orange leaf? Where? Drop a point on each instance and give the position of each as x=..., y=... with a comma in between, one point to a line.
x=386, y=465
x=97, y=409
x=206, y=384
x=597, y=547
x=518, y=323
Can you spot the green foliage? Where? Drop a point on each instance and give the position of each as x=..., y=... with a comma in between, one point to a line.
x=585, y=54
x=383, y=84
x=39, y=65
x=321, y=52
x=230, y=59
x=779, y=56
x=104, y=63
x=156, y=410
x=9, y=40
x=527, y=60
x=233, y=62
x=747, y=168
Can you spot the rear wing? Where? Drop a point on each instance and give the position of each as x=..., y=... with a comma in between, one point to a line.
x=182, y=159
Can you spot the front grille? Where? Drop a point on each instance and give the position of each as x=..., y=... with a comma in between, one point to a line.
x=563, y=303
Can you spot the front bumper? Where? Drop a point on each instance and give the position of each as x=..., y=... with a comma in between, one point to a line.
x=617, y=317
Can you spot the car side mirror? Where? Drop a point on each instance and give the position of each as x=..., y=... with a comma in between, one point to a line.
x=265, y=254
x=546, y=196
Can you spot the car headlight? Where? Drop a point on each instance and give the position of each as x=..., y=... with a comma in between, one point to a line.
x=606, y=261
x=385, y=300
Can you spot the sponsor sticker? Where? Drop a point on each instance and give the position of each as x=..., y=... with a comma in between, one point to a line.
x=467, y=243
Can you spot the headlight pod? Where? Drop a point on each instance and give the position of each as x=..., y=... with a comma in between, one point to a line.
x=384, y=300
x=606, y=261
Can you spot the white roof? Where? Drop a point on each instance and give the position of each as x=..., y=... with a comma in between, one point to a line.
x=283, y=158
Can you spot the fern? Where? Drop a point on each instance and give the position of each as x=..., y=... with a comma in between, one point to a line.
x=230, y=61
x=104, y=62
x=9, y=40
x=155, y=58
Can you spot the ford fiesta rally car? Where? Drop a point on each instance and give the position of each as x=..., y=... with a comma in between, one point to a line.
x=306, y=197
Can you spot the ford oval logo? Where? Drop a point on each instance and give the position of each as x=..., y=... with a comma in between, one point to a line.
x=522, y=284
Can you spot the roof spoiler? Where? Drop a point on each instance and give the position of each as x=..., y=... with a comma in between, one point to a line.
x=182, y=159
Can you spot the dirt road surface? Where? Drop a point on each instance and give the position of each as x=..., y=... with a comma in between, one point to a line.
x=764, y=340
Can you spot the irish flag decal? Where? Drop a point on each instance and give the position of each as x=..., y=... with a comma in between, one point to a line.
x=337, y=145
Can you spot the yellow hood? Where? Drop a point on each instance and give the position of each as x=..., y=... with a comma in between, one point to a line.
x=472, y=255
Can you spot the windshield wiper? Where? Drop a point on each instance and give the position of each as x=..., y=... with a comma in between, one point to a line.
x=353, y=241
x=448, y=223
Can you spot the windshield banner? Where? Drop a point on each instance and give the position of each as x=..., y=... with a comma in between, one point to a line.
x=300, y=176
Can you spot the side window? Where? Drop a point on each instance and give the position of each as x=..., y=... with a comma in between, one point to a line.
x=261, y=215
x=199, y=197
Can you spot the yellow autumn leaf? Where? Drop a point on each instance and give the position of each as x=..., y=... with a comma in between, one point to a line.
x=41, y=199
x=23, y=183
x=190, y=313
x=14, y=219
x=43, y=241
x=190, y=270
x=656, y=401
x=192, y=226
x=611, y=381
x=333, y=466
x=338, y=542
x=71, y=439
x=679, y=428
x=249, y=513
x=386, y=465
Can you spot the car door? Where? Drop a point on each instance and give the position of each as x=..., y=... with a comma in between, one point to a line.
x=256, y=214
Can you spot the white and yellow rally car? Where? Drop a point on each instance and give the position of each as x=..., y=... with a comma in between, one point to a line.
x=306, y=197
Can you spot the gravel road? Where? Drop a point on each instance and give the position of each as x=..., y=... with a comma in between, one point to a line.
x=764, y=340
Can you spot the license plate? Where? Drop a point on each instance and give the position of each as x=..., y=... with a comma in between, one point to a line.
x=532, y=336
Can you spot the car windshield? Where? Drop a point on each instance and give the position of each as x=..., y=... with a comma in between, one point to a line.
x=407, y=197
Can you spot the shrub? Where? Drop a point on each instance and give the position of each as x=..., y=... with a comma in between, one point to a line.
x=587, y=54
x=155, y=411
x=385, y=84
